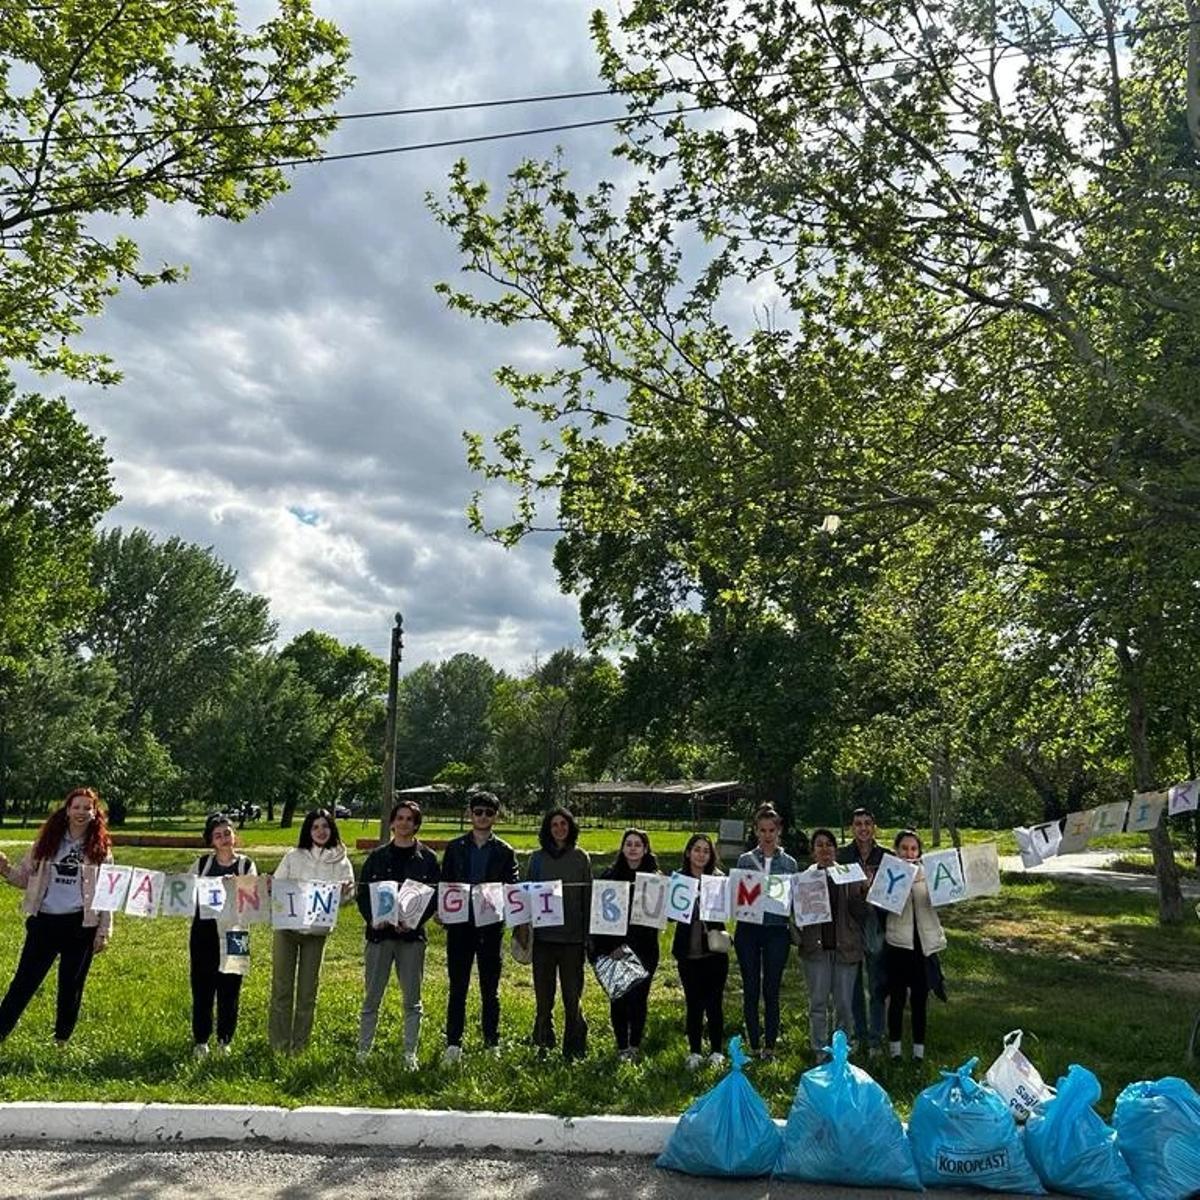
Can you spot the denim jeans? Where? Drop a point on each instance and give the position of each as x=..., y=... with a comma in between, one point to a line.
x=762, y=952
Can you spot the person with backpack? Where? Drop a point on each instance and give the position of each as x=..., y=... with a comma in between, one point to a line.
x=211, y=985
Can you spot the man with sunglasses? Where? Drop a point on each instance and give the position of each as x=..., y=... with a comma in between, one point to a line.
x=476, y=857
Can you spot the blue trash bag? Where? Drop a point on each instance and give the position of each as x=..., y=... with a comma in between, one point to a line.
x=843, y=1129
x=963, y=1135
x=727, y=1131
x=1071, y=1148
x=1158, y=1135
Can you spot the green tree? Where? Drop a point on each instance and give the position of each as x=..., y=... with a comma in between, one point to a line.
x=348, y=681
x=980, y=267
x=173, y=623
x=258, y=740
x=106, y=108
x=59, y=728
x=442, y=717
x=55, y=485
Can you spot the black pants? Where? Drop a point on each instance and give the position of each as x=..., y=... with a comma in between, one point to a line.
x=906, y=978
x=559, y=963
x=209, y=984
x=467, y=944
x=628, y=1015
x=49, y=936
x=703, y=982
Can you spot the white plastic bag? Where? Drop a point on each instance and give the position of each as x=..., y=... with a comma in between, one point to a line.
x=1017, y=1079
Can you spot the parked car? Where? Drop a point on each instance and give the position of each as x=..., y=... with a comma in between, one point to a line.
x=341, y=811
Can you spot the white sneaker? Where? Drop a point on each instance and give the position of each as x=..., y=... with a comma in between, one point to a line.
x=410, y=1061
x=223, y=1049
x=200, y=1050
x=716, y=1059
x=451, y=1056
x=694, y=1062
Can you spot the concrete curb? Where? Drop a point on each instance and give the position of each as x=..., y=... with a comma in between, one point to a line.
x=399, y=1128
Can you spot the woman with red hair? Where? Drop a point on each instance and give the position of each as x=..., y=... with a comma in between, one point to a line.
x=59, y=877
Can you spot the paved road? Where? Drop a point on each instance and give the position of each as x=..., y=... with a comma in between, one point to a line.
x=243, y=1174
x=1091, y=866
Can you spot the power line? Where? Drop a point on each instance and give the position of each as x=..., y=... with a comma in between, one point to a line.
x=353, y=154
x=104, y=185
x=1064, y=43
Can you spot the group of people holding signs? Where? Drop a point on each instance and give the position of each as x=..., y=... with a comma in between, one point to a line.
x=864, y=922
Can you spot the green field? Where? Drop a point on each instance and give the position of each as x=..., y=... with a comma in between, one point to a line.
x=1087, y=972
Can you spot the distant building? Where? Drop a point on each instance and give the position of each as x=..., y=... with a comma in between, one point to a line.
x=698, y=802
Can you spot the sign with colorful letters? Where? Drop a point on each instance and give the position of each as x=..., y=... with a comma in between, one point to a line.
x=746, y=888
x=487, y=903
x=714, y=898
x=682, y=891
x=893, y=884
x=610, y=907
x=944, y=876
x=649, y=901
x=454, y=903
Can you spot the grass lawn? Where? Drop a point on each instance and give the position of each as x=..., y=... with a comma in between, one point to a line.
x=1087, y=972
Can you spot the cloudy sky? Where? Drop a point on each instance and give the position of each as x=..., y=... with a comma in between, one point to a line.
x=298, y=402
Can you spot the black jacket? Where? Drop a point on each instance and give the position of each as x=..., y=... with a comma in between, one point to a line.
x=501, y=866
x=390, y=861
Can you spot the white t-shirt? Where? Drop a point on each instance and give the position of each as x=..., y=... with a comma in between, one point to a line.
x=64, y=891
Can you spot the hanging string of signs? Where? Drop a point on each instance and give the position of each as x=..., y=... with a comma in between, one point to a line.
x=1037, y=843
x=239, y=901
x=654, y=900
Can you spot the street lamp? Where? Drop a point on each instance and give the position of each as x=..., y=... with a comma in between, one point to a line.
x=389, y=749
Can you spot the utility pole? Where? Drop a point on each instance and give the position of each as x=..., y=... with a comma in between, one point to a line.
x=389, y=749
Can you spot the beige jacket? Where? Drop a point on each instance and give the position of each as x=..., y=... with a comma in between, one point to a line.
x=900, y=925
x=34, y=877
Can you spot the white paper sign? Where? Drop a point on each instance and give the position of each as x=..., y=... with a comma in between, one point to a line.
x=610, y=907
x=842, y=873
x=649, y=901
x=145, y=893
x=179, y=895
x=893, y=883
x=211, y=897
x=487, y=903
x=112, y=886
x=777, y=894
x=945, y=877
x=714, y=898
x=454, y=903
x=1076, y=831
x=546, y=903
x=981, y=869
x=810, y=898
x=682, y=891
x=251, y=899
x=1030, y=857
x=747, y=888
x=516, y=905
x=1146, y=811
x=287, y=904
x=1109, y=818
x=235, y=951
x=1184, y=797
x=411, y=902
x=384, y=907
x=322, y=901
x=1046, y=839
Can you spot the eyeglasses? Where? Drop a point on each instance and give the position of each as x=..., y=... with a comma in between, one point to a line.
x=483, y=812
